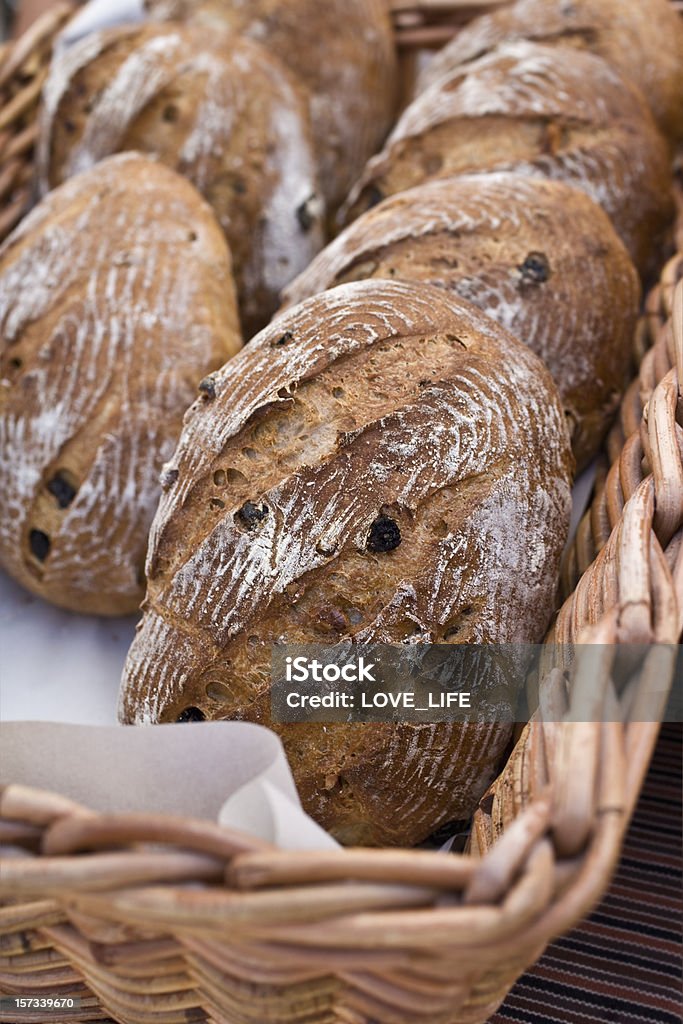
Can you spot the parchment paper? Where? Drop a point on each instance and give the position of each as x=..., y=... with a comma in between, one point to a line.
x=232, y=772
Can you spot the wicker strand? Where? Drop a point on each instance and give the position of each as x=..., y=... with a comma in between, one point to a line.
x=429, y=24
x=23, y=68
x=644, y=439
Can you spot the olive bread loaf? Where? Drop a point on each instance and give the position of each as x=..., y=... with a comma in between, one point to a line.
x=116, y=299
x=343, y=53
x=382, y=463
x=538, y=256
x=221, y=111
x=544, y=111
x=642, y=39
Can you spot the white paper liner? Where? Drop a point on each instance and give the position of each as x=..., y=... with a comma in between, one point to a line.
x=235, y=773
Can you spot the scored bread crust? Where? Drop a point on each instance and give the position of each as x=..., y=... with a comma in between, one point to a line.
x=643, y=39
x=376, y=399
x=543, y=111
x=342, y=51
x=116, y=298
x=538, y=256
x=222, y=112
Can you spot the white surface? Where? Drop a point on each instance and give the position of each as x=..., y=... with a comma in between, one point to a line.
x=55, y=666
x=99, y=14
x=581, y=495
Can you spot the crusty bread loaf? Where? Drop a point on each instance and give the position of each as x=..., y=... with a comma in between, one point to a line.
x=538, y=256
x=377, y=406
x=643, y=39
x=343, y=53
x=116, y=298
x=230, y=118
x=544, y=111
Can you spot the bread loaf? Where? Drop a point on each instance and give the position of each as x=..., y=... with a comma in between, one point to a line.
x=543, y=111
x=116, y=298
x=343, y=53
x=229, y=117
x=379, y=409
x=642, y=39
x=538, y=256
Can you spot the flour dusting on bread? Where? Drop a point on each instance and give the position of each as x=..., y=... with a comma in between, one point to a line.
x=525, y=250
x=99, y=361
x=425, y=417
x=550, y=111
x=221, y=111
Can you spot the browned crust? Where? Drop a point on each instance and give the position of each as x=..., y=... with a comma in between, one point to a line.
x=642, y=39
x=377, y=398
x=218, y=109
x=553, y=112
x=342, y=51
x=131, y=304
x=538, y=256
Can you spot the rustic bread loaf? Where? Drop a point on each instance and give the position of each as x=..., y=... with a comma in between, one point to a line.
x=538, y=256
x=343, y=53
x=540, y=110
x=229, y=118
x=116, y=298
x=382, y=463
x=643, y=39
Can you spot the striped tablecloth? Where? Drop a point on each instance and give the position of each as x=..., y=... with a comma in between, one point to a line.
x=624, y=964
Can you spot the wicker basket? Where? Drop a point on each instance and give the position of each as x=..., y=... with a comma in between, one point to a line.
x=627, y=459
x=169, y=920
x=101, y=906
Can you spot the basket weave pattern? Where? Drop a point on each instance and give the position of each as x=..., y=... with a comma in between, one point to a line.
x=170, y=920
x=23, y=68
x=633, y=449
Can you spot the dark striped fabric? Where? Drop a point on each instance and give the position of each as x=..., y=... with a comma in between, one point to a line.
x=624, y=964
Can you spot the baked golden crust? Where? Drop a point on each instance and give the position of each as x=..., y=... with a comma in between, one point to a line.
x=543, y=111
x=343, y=53
x=642, y=39
x=222, y=112
x=116, y=298
x=538, y=256
x=376, y=399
